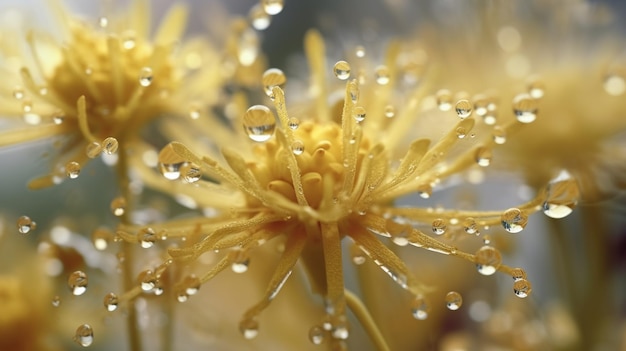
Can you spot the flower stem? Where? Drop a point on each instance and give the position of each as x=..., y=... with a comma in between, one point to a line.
x=365, y=318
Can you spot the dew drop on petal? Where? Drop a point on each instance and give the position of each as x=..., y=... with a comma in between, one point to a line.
x=190, y=172
x=439, y=226
x=293, y=123
x=249, y=328
x=25, y=225
x=145, y=76
x=454, y=300
x=525, y=108
x=110, y=145
x=259, y=123
x=463, y=108
x=514, y=220
x=84, y=335
x=390, y=111
x=488, y=260
x=444, y=100
x=297, y=147
x=342, y=70
x=272, y=7
x=562, y=195
x=77, y=282
x=110, y=302
x=420, y=308
x=490, y=118
x=359, y=113
x=483, y=156
x=536, y=89
x=317, y=335
x=522, y=288
x=273, y=77
x=382, y=75
x=469, y=225
x=461, y=132
x=499, y=135
x=480, y=105
x=72, y=169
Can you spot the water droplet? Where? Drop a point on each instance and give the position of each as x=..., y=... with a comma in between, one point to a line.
x=439, y=226
x=499, y=135
x=147, y=237
x=118, y=206
x=259, y=18
x=514, y=220
x=463, y=108
x=27, y=106
x=272, y=7
x=469, y=225
x=420, y=308
x=522, y=288
x=249, y=328
x=317, y=335
x=518, y=274
x=101, y=238
x=359, y=51
x=32, y=118
x=259, y=123
x=248, y=49
x=128, y=40
x=56, y=301
x=425, y=191
x=354, y=92
x=536, y=89
x=145, y=76
x=525, y=108
x=615, y=85
x=461, y=132
x=444, y=100
x=382, y=75
x=390, y=111
x=194, y=111
x=191, y=172
x=77, y=282
x=72, y=169
x=110, y=145
x=273, y=77
x=339, y=329
x=359, y=113
x=454, y=300
x=103, y=22
x=241, y=261
x=18, y=93
x=192, y=284
x=25, y=225
x=483, y=156
x=342, y=70
x=293, y=123
x=110, y=302
x=480, y=105
x=93, y=149
x=357, y=255
x=488, y=259
x=84, y=335
x=58, y=117
x=487, y=239
x=562, y=195
x=147, y=280
x=297, y=147
x=490, y=118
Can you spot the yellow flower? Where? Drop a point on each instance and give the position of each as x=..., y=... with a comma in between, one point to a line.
x=331, y=175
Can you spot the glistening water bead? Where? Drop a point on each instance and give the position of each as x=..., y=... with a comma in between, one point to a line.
x=522, y=288
x=439, y=226
x=110, y=302
x=514, y=220
x=463, y=108
x=561, y=196
x=77, y=283
x=273, y=77
x=525, y=108
x=342, y=70
x=488, y=260
x=249, y=328
x=25, y=225
x=454, y=300
x=420, y=308
x=259, y=123
x=84, y=335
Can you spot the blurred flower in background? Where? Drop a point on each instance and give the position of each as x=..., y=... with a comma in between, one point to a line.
x=429, y=116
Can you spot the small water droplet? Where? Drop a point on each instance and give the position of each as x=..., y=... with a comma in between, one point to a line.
x=339, y=329
x=273, y=77
x=454, y=300
x=18, y=93
x=359, y=114
x=486, y=239
x=249, y=328
x=118, y=206
x=444, y=100
x=483, y=156
x=499, y=135
x=514, y=220
x=488, y=260
x=469, y=225
x=84, y=335
x=425, y=191
x=390, y=111
x=293, y=123
x=562, y=195
x=525, y=108
x=461, y=132
x=110, y=302
x=272, y=7
x=147, y=237
x=72, y=169
x=297, y=147
x=110, y=145
x=93, y=149
x=490, y=118
x=103, y=22
x=77, y=282
x=382, y=75
x=101, y=238
x=439, y=226
x=342, y=70
x=58, y=117
x=354, y=92
x=147, y=280
x=522, y=288
x=27, y=106
x=25, y=225
x=128, y=40
x=536, y=89
x=420, y=308
x=190, y=172
x=317, y=335
x=614, y=84
x=357, y=255
x=359, y=51
x=259, y=123
x=145, y=76
x=56, y=301
x=480, y=105
x=518, y=274
x=259, y=19
x=463, y=108
x=241, y=261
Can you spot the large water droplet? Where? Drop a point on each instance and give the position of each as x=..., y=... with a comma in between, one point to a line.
x=525, y=108
x=84, y=335
x=259, y=123
x=77, y=282
x=562, y=195
x=273, y=77
x=272, y=7
x=25, y=225
x=72, y=169
x=420, y=308
x=439, y=226
x=522, y=288
x=342, y=70
x=454, y=300
x=249, y=328
x=145, y=76
x=110, y=302
x=463, y=108
x=488, y=259
x=359, y=113
x=514, y=220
